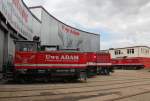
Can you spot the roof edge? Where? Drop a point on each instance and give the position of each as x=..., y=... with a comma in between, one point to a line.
x=128, y=47
x=30, y=11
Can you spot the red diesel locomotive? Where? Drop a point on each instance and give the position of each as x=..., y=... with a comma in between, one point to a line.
x=32, y=63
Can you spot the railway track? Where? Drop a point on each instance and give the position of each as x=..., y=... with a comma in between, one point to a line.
x=76, y=86
x=128, y=96
x=48, y=93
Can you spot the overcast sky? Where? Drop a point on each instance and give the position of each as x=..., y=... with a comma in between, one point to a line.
x=120, y=22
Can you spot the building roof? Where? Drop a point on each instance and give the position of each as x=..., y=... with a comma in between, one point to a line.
x=128, y=47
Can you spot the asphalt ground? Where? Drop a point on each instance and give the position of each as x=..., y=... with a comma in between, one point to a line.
x=122, y=85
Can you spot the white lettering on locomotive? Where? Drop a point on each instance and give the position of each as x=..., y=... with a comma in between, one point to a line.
x=71, y=57
x=62, y=57
x=50, y=57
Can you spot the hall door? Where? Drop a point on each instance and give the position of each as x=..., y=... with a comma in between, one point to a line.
x=1, y=48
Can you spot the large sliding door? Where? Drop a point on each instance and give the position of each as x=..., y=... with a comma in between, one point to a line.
x=1, y=48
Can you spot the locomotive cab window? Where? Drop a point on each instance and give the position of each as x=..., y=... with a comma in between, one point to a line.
x=26, y=46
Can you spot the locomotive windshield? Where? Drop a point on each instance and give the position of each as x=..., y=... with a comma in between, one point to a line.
x=26, y=46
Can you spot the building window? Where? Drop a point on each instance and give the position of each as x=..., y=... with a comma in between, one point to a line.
x=130, y=51
x=145, y=51
x=117, y=52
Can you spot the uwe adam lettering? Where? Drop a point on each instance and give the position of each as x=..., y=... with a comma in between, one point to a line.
x=61, y=57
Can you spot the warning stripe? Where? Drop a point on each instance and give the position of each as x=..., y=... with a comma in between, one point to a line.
x=50, y=65
x=104, y=64
x=62, y=65
x=98, y=64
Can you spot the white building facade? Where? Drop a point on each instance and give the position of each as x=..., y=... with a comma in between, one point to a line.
x=135, y=51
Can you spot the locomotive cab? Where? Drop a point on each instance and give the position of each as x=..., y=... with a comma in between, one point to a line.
x=20, y=47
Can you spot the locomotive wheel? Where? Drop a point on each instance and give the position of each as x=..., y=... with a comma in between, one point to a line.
x=107, y=71
x=83, y=77
x=102, y=71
